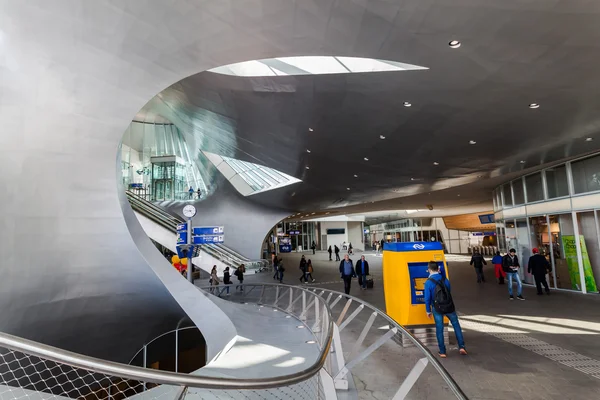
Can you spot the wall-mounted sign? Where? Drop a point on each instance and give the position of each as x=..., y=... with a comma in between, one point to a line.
x=486, y=219
x=294, y=233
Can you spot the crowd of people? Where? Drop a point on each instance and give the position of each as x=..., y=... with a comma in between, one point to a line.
x=507, y=268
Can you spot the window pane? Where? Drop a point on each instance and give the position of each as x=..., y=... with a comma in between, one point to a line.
x=507, y=195
x=518, y=191
x=535, y=191
x=556, y=178
x=586, y=175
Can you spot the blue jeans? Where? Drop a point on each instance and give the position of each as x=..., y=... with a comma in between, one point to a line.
x=364, y=281
x=515, y=276
x=439, y=330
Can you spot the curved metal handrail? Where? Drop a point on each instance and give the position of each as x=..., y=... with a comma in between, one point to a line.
x=418, y=344
x=165, y=377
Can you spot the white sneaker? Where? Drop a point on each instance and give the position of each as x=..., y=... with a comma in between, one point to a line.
x=313, y=280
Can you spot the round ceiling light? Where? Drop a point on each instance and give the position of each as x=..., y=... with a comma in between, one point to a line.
x=356, y=176
x=366, y=159
x=310, y=129
x=454, y=44
x=347, y=188
x=407, y=104
x=589, y=139
x=436, y=163
x=534, y=105
x=522, y=161
x=308, y=151
x=381, y=137
x=307, y=167
x=472, y=142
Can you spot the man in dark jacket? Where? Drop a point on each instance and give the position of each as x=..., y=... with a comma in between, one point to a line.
x=539, y=267
x=478, y=262
x=510, y=265
x=347, y=272
x=337, y=252
x=362, y=270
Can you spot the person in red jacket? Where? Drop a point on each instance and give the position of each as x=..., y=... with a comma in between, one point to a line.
x=500, y=274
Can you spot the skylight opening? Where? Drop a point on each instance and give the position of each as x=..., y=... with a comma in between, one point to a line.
x=312, y=65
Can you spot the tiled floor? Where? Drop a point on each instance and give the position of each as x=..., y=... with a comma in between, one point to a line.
x=505, y=339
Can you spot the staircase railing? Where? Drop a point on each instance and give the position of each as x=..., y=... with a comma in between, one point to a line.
x=364, y=336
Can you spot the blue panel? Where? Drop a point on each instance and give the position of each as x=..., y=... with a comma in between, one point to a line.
x=285, y=248
x=412, y=246
x=419, y=273
x=181, y=237
x=207, y=239
x=208, y=230
x=182, y=227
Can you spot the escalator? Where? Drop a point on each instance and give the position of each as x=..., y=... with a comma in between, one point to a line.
x=161, y=227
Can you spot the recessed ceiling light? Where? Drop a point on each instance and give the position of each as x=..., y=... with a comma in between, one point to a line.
x=356, y=176
x=458, y=195
x=381, y=137
x=311, y=342
x=347, y=188
x=436, y=163
x=455, y=44
x=300, y=327
x=310, y=129
x=307, y=167
x=534, y=105
x=412, y=179
x=472, y=142
x=589, y=139
x=308, y=151
x=407, y=104
x=366, y=159
x=522, y=161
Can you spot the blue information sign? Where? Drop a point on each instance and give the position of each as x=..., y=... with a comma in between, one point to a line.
x=208, y=230
x=412, y=246
x=285, y=245
x=182, y=227
x=418, y=276
x=181, y=237
x=208, y=239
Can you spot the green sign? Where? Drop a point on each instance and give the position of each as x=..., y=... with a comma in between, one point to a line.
x=570, y=248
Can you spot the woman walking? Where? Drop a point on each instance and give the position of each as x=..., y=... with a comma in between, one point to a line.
x=303, y=269
x=214, y=279
x=239, y=272
x=309, y=270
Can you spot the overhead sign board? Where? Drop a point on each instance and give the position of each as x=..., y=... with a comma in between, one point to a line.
x=208, y=239
x=208, y=230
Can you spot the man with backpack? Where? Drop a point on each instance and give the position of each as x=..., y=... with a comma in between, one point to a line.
x=437, y=294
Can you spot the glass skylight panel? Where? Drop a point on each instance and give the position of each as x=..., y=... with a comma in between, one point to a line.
x=367, y=65
x=312, y=65
x=316, y=65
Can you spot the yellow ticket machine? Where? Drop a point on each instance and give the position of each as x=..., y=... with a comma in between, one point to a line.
x=404, y=275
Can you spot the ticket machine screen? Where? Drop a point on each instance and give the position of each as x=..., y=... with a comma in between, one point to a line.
x=419, y=273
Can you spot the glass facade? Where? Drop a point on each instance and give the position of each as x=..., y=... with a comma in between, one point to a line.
x=156, y=164
x=567, y=234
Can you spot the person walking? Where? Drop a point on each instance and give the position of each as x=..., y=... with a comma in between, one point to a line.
x=199, y=193
x=313, y=246
x=377, y=248
x=438, y=294
x=362, y=270
x=382, y=243
x=227, y=279
x=281, y=269
x=539, y=267
x=500, y=275
x=347, y=272
x=239, y=272
x=275, y=262
x=309, y=271
x=329, y=251
x=478, y=262
x=350, y=248
x=214, y=279
x=191, y=193
x=303, y=269
x=337, y=252
x=510, y=265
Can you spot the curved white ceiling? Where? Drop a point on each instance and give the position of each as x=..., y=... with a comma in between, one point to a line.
x=311, y=65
